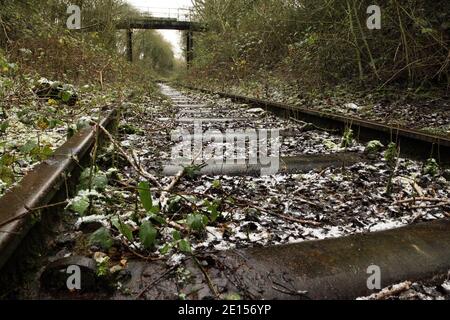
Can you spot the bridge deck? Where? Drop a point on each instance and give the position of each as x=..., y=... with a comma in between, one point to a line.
x=160, y=23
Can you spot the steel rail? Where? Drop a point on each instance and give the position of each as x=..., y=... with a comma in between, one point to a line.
x=39, y=186
x=413, y=143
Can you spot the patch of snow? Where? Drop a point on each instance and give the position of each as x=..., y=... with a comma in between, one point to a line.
x=94, y=218
x=386, y=225
x=352, y=106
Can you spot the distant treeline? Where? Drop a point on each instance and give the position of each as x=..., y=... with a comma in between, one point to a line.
x=325, y=42
x=34, y=34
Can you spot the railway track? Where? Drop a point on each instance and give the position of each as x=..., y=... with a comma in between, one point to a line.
x=302, y=185
x=415, y=144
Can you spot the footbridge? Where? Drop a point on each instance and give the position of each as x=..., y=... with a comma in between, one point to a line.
x=163, y=19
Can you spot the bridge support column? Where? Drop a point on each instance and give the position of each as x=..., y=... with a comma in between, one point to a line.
x=189, y=48
x=130, y=45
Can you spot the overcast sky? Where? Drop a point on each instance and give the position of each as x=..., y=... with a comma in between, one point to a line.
x=172, y=36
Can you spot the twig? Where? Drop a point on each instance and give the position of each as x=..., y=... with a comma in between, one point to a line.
x=208, y=278
x=417, y=188
x=4, y=29
x=135, y=166
x=281, y=288
x=144, y=257
x=101, y=73
x=306, y=125
x=30, y=210
x=431, y=206
x=293, y=219
x=296, y=192
x=164, y=195
x=283, y=216
x=248, y=203
x=156, y=281
x=175, y=225
x=391, y=291
x=422, y=199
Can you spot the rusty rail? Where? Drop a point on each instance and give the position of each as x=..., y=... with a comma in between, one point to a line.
x=338, y=268
x=413, y=143
x=39, y=186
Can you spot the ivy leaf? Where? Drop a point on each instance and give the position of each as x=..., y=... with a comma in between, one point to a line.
x=147, y=234
x=431, y=167
x=101, y=237
x=66, y=96
x=157, y=219
x=28, y=146
x=80, y=205
x=176, y=235
x=391, y=153
x=164, y=250
x=42, y=123
x=373, y=147
x=3, y=126
x=192, y=171
x=174, y=204
x=197, y=221
x=214, y=214
x=6, y=175
x=155, y=210
x=216, y=184
x=123, y=228
x=233, y=296
x=99, y=179
x=7, y=160
x=145, y=195
x=213, y=208
x=347, y=138
x=42, y=153
x=184, y=246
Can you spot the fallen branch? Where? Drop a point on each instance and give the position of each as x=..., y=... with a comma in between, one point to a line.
x=144, y=257
x=176, y=226
x=4, y=29
x=280, y=215
x=156, y=281
x=293, y=219
x=282, y=289
x=164, y=198
x=422, y=199
x=311, y=125
x=417, y=188
x=211, y=285
x=431, y=206
x=130, y=160
x=296, y=192
x=248, y=203
x=394, y=290
x=30, y=210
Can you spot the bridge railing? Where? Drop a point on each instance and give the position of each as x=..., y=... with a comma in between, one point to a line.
x=179, y=14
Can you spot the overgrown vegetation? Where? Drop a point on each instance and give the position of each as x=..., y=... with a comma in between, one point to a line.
x=34, y=35
x=318, y=44
x=54, y=81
